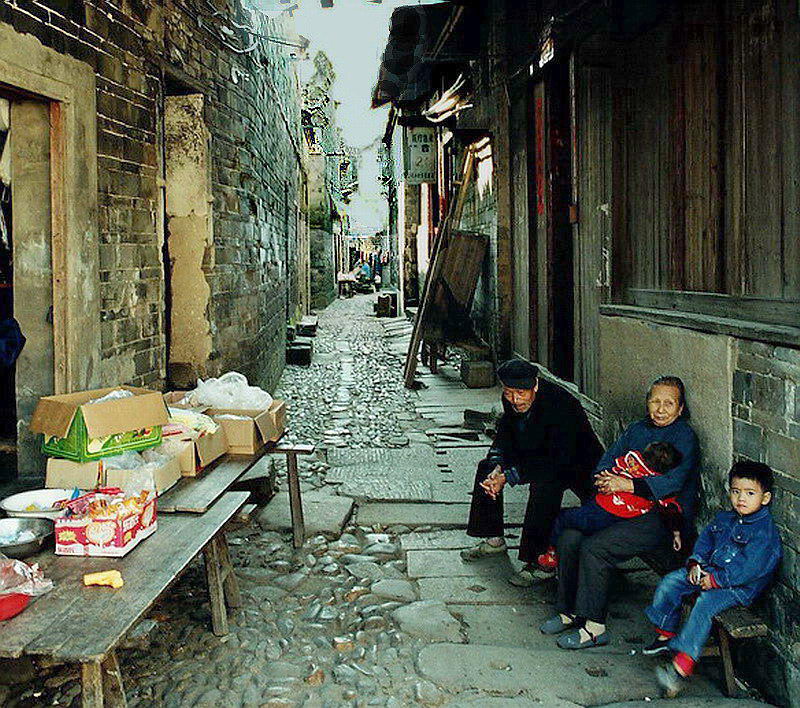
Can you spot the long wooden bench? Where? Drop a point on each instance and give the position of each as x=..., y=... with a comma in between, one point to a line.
x=729, y=625
x=77, y=624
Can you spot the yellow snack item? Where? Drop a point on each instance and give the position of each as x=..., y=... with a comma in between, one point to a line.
x=113, y=578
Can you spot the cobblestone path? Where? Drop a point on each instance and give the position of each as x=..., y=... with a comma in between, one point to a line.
x=377, y=609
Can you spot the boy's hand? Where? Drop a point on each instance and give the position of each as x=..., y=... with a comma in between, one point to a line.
x=706, y=583
x=694, y=574
x=676, y=541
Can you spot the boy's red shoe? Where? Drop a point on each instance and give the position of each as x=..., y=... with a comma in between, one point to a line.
x=548, y=560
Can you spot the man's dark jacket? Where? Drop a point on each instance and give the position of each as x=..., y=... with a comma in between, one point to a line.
x=553, y=443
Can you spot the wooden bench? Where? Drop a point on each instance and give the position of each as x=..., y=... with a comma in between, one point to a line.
x=77, y=624
x=731, y=624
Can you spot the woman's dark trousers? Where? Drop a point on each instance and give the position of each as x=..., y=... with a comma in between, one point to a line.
x=544, y=503
x=586, y=563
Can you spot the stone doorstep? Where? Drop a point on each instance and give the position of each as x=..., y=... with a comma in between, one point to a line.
x=448, y=564
x=476, y=590
x=322, y=513
x=450, y=539
x=437, y=514
x=587, y=677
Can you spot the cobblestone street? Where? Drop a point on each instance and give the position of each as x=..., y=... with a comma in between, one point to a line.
x=376, y=609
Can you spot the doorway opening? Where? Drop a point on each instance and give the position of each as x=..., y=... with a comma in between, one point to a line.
x=8, y=388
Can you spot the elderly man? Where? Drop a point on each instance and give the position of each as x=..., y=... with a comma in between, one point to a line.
x=544, y=440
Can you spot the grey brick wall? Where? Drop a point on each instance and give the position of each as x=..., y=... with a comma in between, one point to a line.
x=766, y=427
x=252, y=112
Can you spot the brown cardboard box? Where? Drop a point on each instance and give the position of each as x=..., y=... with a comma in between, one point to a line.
x=68, y=423
x=246, y=437
x=173, y=400
x=202, y=452
x=66, y=474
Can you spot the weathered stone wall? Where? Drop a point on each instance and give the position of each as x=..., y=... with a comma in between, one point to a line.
x=141, y=52
x=766, y=427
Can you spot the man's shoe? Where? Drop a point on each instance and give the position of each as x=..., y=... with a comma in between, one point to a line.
x=573, y=640
x=482, y=550
x=657, y=646
x=555, y=625
x=671, y=681
x=528, y=576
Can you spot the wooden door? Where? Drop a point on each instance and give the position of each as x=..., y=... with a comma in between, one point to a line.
x=591, y=166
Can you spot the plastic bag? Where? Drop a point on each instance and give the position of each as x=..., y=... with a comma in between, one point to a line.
x=111, y=396
x=16, y=576
x=128, y=460
x=230, y=391
x=140, y=480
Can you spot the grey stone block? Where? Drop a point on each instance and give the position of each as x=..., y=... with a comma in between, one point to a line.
x=748, y=440
x=783, y=453
x=768, y=393
x=477, y=374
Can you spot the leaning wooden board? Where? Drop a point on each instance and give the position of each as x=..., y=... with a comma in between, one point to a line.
x=73, y=623
x=195, y=495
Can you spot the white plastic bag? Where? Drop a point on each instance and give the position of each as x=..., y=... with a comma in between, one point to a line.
x=230, y=391
x=112, y=396
x=16, y=576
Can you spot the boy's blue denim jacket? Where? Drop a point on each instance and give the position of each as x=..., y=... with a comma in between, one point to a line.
x=740, y=552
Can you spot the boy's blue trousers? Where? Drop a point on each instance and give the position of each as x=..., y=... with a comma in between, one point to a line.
x=665, y=612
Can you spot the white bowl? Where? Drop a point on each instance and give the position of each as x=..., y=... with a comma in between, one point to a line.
x=16, y=504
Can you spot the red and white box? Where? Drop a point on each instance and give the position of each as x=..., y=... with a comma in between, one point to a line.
x=108, y=536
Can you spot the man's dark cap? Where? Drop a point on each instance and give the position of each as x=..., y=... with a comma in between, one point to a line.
x=516, y=373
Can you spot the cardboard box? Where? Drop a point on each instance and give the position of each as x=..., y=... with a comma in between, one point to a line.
x=113, y=537
x=79, y=432
x=66, y=474
x=200, y=453
x=173, y=400
x=247, y=437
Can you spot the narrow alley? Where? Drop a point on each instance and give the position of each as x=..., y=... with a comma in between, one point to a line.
x=399, y=353
x=376, y=608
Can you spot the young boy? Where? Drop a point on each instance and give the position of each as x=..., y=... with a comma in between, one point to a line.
x=732, y=562
x=606, y=509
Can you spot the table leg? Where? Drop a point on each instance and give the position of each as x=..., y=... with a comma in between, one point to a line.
x=295, y=500
x=216, y=595
x=112, y=682
x=230, y=584
x=91, y=685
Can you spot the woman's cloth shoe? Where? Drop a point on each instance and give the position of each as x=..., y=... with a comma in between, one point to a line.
x=555, y=625
x=657, y=646
x=482, y=550
x=573, y=640
x=548, y=561
x=670, y=680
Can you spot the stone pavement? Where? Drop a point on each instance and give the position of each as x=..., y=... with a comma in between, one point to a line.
x=377, y=608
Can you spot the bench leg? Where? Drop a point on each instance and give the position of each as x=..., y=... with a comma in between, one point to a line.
x=216, y=593
x=91, y=685
x=229, y=582
x=112, y=682
x=727, y=662
x=295, y=501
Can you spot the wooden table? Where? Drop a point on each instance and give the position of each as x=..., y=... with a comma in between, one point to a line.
x=77, y=624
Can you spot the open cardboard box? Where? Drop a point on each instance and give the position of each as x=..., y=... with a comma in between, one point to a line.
x=79, y=432
x=198, y=454
x=173, y=400
x=64, y=474
x=247, y=437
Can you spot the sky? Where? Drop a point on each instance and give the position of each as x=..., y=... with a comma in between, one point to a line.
x=353, y=34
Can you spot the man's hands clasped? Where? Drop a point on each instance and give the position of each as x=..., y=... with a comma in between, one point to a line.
x=494, y=482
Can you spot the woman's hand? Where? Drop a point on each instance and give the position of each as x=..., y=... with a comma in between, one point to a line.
x=608, y=483
x=676, y=541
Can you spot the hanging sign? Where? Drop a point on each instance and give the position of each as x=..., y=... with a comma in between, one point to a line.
x=419, y=155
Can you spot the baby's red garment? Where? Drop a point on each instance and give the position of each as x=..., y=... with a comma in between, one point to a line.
x=627, y=505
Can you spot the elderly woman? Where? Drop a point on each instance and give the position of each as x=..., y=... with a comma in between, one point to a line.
x=586, y=562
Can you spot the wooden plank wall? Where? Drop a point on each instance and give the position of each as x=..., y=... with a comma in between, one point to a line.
x=711, y=171
x=649, y=167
